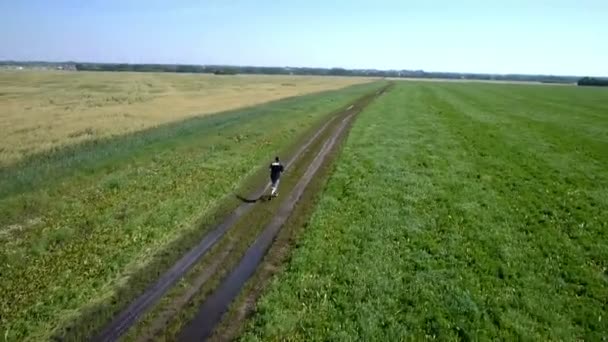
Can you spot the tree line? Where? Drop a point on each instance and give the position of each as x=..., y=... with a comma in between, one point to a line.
x=233, y=70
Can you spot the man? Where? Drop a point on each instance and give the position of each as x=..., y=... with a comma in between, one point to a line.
x=276, y=168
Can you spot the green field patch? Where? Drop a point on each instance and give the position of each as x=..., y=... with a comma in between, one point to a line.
x=456, y=211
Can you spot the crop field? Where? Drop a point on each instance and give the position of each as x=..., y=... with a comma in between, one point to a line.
x=42, y=111
x=456, y=211
x=85, y=227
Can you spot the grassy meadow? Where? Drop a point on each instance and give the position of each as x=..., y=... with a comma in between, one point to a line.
x=42, y=111
x=456, y=211
x=87, y=226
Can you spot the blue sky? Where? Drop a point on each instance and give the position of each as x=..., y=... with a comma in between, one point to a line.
x=548, y=37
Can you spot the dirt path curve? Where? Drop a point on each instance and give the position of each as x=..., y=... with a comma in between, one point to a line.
x=128, y=317
x=212, y=309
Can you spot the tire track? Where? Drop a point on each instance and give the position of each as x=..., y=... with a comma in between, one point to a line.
x=213, y=308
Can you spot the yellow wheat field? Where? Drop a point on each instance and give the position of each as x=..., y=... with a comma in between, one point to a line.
x=42, y=110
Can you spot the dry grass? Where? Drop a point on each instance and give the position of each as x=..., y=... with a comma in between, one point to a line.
x=46, y=110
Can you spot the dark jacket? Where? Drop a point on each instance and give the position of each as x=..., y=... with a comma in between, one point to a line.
x=276, y=169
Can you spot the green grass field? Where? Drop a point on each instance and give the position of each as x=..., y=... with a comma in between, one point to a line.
x=84, y=228
x=456, y=211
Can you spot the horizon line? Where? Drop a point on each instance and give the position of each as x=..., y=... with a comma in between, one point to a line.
x=299, y=67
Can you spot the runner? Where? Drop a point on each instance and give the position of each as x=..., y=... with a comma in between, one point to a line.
x=276, y=168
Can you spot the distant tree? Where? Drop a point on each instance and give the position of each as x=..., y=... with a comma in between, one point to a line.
x=226, y=71
x=591, y=81
x=339, y=72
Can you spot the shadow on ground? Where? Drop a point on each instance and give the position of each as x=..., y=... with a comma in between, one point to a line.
x=263, y=198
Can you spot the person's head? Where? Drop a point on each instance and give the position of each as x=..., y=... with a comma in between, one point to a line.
x=276, y=159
